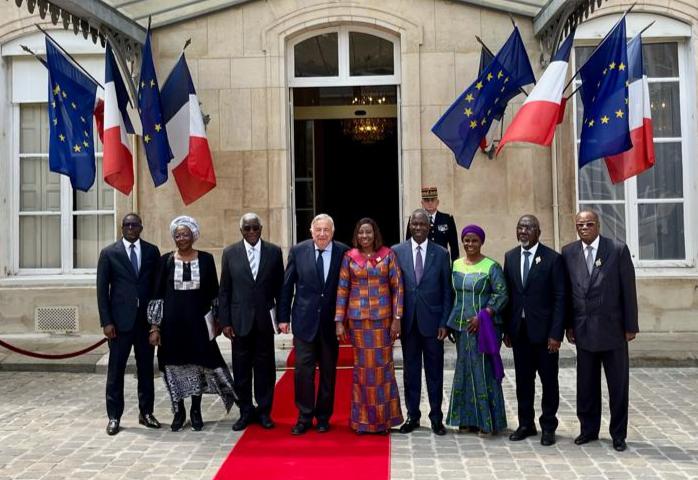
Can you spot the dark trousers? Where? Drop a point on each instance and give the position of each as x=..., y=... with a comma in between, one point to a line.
x=253, y=358
x=529, y=359
x=119, y=350
x=321, y=352
x=415, y=348
x=616, y=367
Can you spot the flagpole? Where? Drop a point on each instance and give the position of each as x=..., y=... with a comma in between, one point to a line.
x=70, y=57
x=30, y=52
x=639, y=33
x=597, y=47
x=479, y=40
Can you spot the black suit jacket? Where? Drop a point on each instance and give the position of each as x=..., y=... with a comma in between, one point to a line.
x=244, y=300
x=313, y=305
x=429, y=303
x=443, y=232
x=542, y=298
x=604, y=306
x=123, y=296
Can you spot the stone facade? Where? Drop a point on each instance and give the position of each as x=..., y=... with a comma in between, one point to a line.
x=238, y=62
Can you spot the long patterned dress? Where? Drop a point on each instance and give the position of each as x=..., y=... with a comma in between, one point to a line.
x=191, y=363
x=369, y=297
x=477, y=399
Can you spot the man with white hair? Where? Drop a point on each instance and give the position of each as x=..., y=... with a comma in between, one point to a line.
x=251, y=277
x=310, y=282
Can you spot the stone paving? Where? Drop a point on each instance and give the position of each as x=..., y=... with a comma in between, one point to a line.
x=52, y=427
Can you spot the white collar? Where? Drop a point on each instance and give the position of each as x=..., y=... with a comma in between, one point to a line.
x=532, y=250
x=415, y=244
x=255, y=247
x=594, y=245
x=128, y=244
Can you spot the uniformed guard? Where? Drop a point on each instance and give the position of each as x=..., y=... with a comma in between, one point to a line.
x=442, y=226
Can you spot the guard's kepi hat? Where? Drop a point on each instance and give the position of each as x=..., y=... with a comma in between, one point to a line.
x=429, y=192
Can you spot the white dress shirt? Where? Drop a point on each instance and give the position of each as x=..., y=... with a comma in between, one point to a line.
x=531, y=258
x=137, y=248
x=257, y=252
x=414, y=252
x=594, y=248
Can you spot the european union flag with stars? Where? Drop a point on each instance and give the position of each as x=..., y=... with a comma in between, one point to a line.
x=604, y=94
x=71, y=103
x=157, y=147
x=467, y=121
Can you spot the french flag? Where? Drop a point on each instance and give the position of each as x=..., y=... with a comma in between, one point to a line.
x=544, y=107
x=192, y=165
x=641, y=156
x=117, y=163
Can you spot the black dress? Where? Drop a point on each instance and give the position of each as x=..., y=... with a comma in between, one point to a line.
x=191, y=363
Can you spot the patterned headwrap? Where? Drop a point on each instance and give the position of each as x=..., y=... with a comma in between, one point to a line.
x=473, y=229
x=185, y=221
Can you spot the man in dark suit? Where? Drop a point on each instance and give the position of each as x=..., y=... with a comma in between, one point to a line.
x=442, y=226
x=251, y=276
x=426, y=273
x=124, y=287
x=534, y=324
x=313, y=273
x=602, y=320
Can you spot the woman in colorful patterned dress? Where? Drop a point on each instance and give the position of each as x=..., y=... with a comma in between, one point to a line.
x=186, y=288
x=369, y=307
x=477, y=400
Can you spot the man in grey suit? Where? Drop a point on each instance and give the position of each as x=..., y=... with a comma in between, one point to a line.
x=603, y=319
x=310, y=281
x=426, y=273
x=124, y=287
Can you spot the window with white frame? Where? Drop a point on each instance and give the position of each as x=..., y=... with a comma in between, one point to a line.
x=344, y=55
x=60, y=230
x=649, y=212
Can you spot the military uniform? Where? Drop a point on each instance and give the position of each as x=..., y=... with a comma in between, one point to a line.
x=442, y=227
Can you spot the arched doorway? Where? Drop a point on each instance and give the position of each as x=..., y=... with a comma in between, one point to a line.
x=344, y=89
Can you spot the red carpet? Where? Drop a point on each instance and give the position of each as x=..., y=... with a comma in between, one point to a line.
x=340, y=453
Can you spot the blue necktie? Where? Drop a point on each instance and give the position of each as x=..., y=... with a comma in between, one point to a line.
x=134, y=258
x=320, y=267
x=527, y=266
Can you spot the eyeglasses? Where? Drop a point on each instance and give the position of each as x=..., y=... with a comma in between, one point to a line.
x=251, y=228
x=586, y=224
x=131, y=225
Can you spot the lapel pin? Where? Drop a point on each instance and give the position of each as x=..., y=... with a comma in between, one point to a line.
x=537, y=260
x=598, y=262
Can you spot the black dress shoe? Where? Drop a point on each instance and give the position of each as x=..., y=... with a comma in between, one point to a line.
x=242, y=423
x=197, y=422
x=149, y=420
x=409, y=425
x=178, y=421
x=547, y=438
x=266, y=422
x=113, y=426
x=438, y=428
x=323, y=426
x=300, y=428
x=619, y=445
x=584, y=438
x=522, y=433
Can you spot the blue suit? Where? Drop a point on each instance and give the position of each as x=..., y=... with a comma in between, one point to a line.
x=310, y=306
x=427, y=305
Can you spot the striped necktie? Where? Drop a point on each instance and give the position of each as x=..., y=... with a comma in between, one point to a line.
x=252, y=257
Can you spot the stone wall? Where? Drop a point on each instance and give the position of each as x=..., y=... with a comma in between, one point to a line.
x=238, y=62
